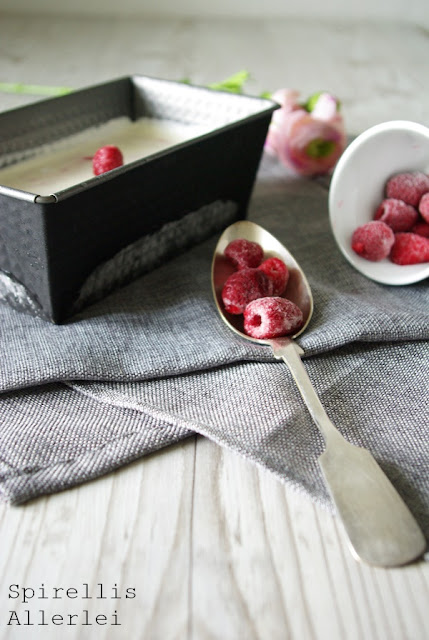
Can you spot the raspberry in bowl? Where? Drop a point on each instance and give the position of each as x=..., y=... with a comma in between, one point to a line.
x=386, y=161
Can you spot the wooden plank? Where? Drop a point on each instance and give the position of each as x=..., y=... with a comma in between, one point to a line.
x=214, y=547
x=128, y=530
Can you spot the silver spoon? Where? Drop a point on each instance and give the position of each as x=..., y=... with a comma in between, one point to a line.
x=381, y=529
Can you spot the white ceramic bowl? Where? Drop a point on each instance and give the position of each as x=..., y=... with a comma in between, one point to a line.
x=357, y=188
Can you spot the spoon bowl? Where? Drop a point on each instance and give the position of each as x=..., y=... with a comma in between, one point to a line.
x=298, y=290
x=380, y=528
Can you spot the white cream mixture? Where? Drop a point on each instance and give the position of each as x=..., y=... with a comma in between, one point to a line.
x=68, y=162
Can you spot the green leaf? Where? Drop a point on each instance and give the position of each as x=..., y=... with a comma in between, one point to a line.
x=234, y=83
x=33, y=89
x=312, y=100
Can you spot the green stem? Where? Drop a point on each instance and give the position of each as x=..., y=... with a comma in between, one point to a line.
x=33, y=89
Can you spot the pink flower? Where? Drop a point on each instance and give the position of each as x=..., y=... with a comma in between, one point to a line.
x=309, y=138
x=288, y=99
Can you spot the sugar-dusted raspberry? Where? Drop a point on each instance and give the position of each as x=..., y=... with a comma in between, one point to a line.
x=271, y=318
x=244, y=253
x=397, y=214
x=424, y=207
x=410, y=248
x=244, y=286
x=107, y=158
x=278, y=272
x=373, y=240
x=408, y=187
x=421, y=228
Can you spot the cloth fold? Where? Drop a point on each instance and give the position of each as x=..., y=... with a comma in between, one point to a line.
x=153, y=363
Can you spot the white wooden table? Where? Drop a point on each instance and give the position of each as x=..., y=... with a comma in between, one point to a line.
x=212, y=547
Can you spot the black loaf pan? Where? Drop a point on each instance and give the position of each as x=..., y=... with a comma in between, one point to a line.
x=50, y=245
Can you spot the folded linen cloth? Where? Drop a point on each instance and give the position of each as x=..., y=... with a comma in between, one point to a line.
x=153, y=363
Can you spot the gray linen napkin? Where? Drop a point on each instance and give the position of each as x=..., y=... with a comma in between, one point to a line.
x=152, y=363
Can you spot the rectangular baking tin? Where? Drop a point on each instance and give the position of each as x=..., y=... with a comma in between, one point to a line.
x=51, y=244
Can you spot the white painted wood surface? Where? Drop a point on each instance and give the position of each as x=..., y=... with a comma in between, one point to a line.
x=413, y=11
x=214, y=547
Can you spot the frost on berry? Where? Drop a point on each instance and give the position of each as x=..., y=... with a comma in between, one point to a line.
x=106, y=158
x=271, y=318
x=244, y=286
x=278, y=272
x=397, y=214
x=410, y=248
x=244, y=253
x=408, y=187
x=424, y=207
x=373, y=240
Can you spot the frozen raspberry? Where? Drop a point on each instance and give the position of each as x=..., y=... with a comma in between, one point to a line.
x=244, y=253
x=278, y=272
x=421, y=228
x=397, y=214
x=271, y=318
x=409, y=248
x=373, y=240
x=424, y=207
x=408, y=187
x=106, y=159
x=244, y=286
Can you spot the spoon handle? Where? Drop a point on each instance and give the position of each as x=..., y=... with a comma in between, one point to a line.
x=380, y=527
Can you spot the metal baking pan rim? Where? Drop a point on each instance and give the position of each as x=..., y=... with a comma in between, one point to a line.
x=63, y=194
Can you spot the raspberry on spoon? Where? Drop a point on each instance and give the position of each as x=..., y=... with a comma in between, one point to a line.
x=244, y=253
x=271, y=318
x=278, y=272
x=243, y=286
